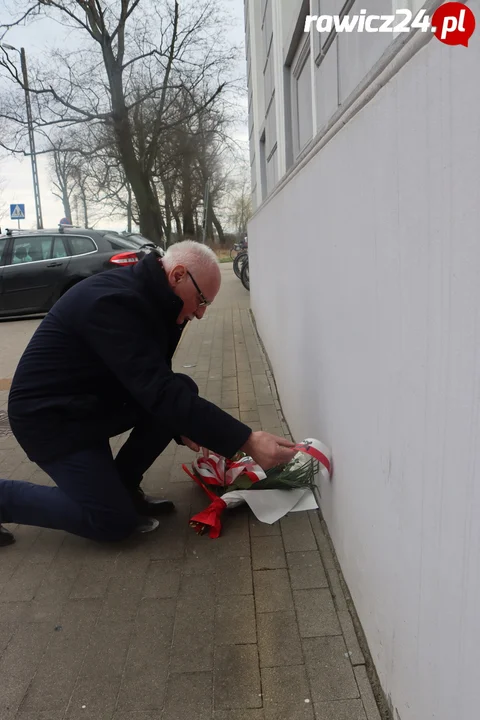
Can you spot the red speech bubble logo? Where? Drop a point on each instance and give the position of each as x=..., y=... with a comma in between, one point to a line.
x=453, y=23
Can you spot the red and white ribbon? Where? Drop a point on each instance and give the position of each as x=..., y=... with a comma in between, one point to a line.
x=318, y=451
x=216, y=470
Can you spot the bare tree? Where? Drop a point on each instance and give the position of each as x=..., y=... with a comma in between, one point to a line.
x=189, y=155
x=241, y=207
x=81, y=177
x=2, y=201
x=194, y=154
x=62, y=164
x=2, y=179
x=127, y=44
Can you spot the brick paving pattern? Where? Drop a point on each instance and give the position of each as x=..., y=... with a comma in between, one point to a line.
x=252, y=626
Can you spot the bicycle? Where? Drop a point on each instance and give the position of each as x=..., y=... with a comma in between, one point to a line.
x=239, y=262
x=245, y=275
x=238, y=248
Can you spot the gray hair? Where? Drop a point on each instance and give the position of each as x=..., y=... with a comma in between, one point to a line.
x=190, y=253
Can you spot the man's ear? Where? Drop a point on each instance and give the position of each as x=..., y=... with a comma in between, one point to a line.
x=178, y=274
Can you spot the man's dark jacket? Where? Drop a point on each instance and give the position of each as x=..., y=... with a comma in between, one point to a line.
x=107, y=345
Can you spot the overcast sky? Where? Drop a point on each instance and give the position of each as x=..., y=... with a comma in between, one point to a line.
x=16, y=173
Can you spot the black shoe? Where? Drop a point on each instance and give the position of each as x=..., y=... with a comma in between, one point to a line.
x=151, y=506
x=6, y=537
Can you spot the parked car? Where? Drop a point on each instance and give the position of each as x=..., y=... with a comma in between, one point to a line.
x=38, y=266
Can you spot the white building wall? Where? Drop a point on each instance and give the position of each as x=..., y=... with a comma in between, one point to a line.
x=365, y=284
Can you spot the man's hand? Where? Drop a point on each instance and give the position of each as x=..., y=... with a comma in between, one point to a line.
x=190, y=444
x=268, y=450
x=194, y=446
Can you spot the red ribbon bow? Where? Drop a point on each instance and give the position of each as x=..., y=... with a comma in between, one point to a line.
x=210, y=517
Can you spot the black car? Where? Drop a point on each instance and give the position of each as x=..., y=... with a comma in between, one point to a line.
x=38, y=266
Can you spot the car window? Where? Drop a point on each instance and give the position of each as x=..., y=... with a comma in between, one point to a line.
x=31, y=249
x=81, y=244
x=3, y=243
x=119, y=243
x=139, y=240
x=59, y=248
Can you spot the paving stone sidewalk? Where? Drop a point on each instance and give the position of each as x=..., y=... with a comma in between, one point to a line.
x=252, y=626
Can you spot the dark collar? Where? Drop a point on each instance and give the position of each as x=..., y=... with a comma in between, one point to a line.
x=152, y=275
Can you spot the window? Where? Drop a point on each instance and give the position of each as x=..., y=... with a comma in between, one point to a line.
x=253, y=174
x=250, y=114
x=3, y=242
x=263, y=167
x=271, y=127
x=413, y=5
x=326, y=86
x=128, y=242
x=59, y=249
x=267, y=28
x=271, y=146
x=326, y=7
x=115, y=243
x=302, y=119
x=31, y=249
x=272, y=174
x=268, y=80
x=81, y=245
x=359, y=51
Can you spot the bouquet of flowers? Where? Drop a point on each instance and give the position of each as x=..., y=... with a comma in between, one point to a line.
x=270, y=495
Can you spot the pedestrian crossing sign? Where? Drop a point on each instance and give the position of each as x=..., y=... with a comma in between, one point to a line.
x=17, y=212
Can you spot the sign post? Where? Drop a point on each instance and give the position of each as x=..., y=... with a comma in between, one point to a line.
x=17, y=212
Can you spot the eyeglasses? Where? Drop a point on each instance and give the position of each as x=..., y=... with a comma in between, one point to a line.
x=204, y=302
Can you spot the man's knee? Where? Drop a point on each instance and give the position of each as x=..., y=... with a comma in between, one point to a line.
x=191, y=384
x=110, y=526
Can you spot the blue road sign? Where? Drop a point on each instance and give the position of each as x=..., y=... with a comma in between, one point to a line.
x=17, y=212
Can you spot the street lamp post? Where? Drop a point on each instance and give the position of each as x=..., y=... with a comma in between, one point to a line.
x=31, y=136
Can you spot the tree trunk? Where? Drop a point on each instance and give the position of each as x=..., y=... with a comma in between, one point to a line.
x=66, y=204
x=85, y=210
x=209, y=232
x=168, y=223
x=129, y=208
x=187, y=209
x=61, y=171
x=198, y=229
x=218, y=227
x=172, y=213
x=76, y=210
x=178, y=223
x=149, y=213
x=168, y=210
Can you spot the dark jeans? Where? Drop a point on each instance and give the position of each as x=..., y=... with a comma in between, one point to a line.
x=93, y=497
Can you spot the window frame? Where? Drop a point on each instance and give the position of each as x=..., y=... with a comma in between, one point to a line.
x=4, y=251
x=9, y=253
x=71, y=236
x=303, y=57
x=65, y=245
x=322, y=44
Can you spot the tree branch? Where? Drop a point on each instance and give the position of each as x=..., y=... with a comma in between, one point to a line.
x=9, y=26
x=151, y=150
x=140, y=57
x=61, y=6
x=126, y=16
